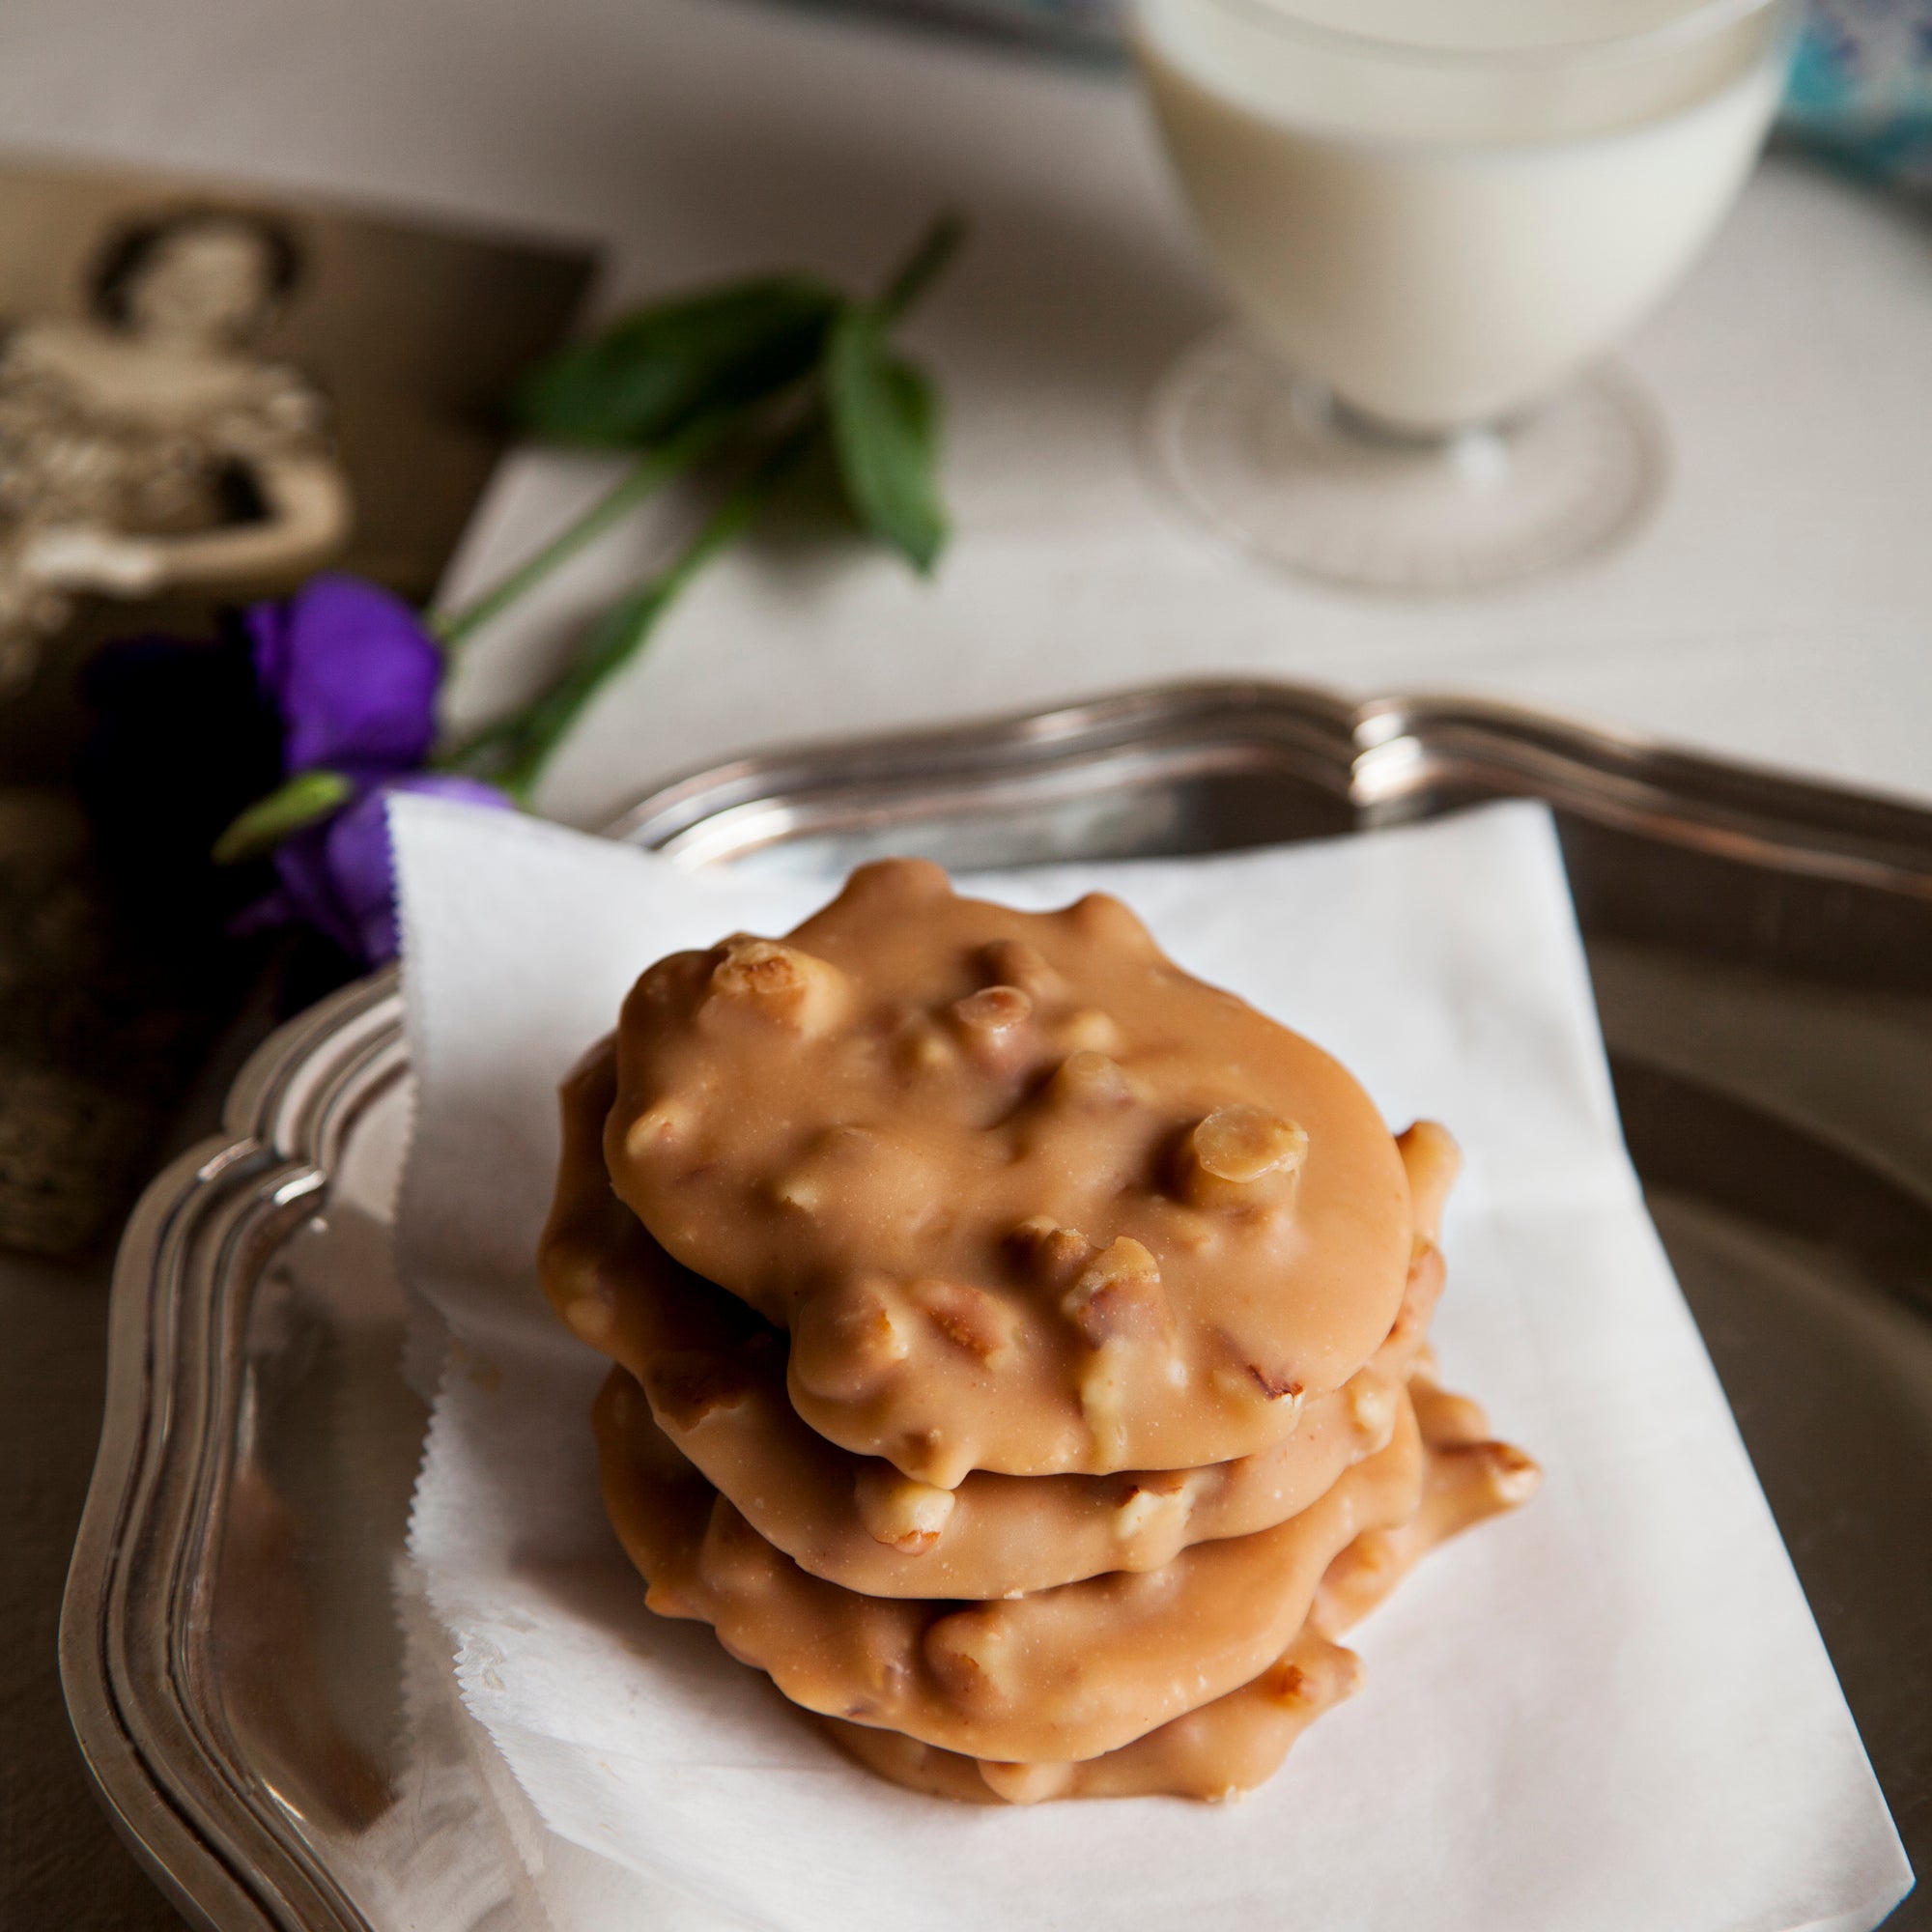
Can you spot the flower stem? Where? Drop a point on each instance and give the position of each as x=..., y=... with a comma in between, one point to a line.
x=648, y=474
x=923, y=267
x=621, y=634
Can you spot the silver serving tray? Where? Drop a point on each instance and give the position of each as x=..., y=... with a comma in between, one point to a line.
x=1762, y=951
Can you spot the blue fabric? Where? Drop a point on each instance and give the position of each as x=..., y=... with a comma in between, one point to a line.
x=1861, y=86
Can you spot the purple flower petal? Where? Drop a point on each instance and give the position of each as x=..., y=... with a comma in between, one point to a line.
x=354, y=675
x=306, y=893
x=339, y=877
x=361, y=871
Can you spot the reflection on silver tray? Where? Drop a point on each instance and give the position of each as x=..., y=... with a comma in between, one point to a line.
x=1762, y=951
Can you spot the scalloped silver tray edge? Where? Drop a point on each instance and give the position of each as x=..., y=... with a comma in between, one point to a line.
x=134, y=1654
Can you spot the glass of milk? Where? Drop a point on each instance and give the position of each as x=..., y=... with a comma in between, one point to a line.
x=1435, y=218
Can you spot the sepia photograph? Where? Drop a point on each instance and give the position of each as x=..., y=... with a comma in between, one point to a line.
x=204, y=397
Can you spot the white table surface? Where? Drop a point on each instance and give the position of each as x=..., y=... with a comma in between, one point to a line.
x=1778, y=609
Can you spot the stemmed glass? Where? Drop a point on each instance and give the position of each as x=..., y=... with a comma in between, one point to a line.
x=1435, y=217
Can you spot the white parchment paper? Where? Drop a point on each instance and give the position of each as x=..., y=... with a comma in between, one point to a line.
x=1609, y=1713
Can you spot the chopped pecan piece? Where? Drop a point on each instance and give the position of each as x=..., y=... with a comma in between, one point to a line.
x=967, y=1316
x=782, y=983
x=995, y=1024
x=1103, y=1403
x=898, y=1512
x=919, y=1046
x=1275, y=1384
x=1012, y=963
x=1285, y=1682
x=1119, y=1296
x=592, y=1319
x=661, y=1125
x=1089, y=1031
x=1087, y=1079
x=1431, y=1160
x=733, y=1558
x=687, y=1384
x=845, y=1341
x=1226, y=1155
x=1420, y=1292
x=1100, y=916
x=1372, y=1406
x=993, y=1008
x=1026, y=1783
x=1048, y=1252
x=1152, y=1500
x=970, y=1654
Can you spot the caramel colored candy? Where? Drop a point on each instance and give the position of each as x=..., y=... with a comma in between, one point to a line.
x=715, y=1374
x=1469, y=1476
x=1239, y=1739
x=1021, y=1346
x=1052, y=1676
x=894, y=1095
x=1225, y=1747
x=1431, y=1160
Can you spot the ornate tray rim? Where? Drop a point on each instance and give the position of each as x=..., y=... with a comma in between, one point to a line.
x=135, y=1659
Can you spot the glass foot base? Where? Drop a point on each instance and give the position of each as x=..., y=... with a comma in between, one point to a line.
x=1276, y=464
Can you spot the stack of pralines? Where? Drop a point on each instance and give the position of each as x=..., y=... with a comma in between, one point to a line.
x=1022, y=1346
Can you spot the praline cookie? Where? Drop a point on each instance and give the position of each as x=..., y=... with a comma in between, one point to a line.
x=1028, y=1198
x=1239, y=1739
x=1052, y=1676
x=1022, y=1346
x=714, y=1373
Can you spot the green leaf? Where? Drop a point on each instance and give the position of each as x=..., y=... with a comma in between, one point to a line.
x=654, y=371
x=884, y=431
x=300, y=802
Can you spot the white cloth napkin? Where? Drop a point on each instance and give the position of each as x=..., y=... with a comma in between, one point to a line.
x=1609, y=1713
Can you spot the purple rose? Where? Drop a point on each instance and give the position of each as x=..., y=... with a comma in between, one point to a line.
x=340, y=876
x=353, y=673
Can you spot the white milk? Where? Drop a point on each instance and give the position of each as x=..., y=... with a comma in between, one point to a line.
x=1445, y=228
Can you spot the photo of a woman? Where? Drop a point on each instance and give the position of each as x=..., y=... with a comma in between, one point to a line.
x=146, y=447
